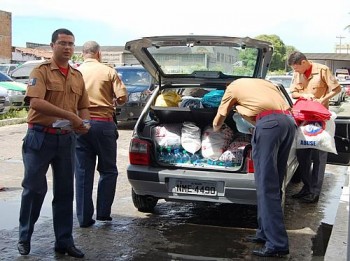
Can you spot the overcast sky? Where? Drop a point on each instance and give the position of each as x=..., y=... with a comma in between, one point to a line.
x=308, y=25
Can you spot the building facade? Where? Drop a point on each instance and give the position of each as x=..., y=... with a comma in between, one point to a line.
x=5, y=37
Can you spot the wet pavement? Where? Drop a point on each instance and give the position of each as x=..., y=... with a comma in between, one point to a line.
x=176, y=231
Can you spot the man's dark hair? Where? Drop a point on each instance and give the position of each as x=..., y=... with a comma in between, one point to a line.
x=296, y=58
x=60, y=31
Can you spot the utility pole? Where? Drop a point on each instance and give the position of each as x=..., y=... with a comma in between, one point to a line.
x=339, y=37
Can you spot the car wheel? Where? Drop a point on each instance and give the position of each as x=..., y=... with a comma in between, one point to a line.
x=143, y=203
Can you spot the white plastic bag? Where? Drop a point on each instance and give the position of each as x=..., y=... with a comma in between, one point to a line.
x=242, y=125
x=191, y=137
x=317, y=135
x=215, y=143
x=168, y=135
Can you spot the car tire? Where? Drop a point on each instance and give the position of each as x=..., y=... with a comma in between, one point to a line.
x=143, y=203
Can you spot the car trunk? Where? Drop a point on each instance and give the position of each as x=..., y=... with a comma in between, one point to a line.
x=240, y=160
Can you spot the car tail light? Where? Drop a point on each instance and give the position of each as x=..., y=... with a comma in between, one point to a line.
x=249, y=162
x=139, y=152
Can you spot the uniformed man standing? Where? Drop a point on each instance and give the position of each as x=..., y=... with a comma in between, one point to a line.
x=104, y=88
x=260, y=102
x=55, y=91
x=315, y=82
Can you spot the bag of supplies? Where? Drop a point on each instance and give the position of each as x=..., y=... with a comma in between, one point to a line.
x=168, y=99
x=214, y=143
x=317, y=135
x=191, y=137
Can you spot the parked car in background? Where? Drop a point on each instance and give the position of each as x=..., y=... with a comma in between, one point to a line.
x=285, y=80
x=340, y=97
x=22, y=72
x=15, y=90
x=4, y=101
x=139, y=84
x=342, y=74
x=7, y=68
x=189, y=68
x=347, y=88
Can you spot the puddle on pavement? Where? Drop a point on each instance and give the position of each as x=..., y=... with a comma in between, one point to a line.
x=12, y=207
x=200, y=242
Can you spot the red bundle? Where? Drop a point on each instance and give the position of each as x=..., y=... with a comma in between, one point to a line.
x=308, y=110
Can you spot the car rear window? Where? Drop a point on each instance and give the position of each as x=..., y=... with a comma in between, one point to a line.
x=226, y=60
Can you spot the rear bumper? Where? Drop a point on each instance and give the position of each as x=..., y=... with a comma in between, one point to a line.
x=232, y=187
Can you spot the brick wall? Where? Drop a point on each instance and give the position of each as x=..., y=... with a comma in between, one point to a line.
x=5, y=37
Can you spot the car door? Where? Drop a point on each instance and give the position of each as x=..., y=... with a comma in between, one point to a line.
x=342, y=138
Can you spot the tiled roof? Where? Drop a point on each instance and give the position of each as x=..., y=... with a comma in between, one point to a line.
x=328, y=56
x=37, y=52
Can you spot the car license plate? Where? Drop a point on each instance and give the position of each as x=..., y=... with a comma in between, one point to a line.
x=195, y=187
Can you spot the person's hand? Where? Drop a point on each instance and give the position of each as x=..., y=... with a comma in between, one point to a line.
x=308, y=96
x=218, y=122
x=82, y=129
x=120, y=100
x=78, y=125
x=216, y=127
x=322, y=101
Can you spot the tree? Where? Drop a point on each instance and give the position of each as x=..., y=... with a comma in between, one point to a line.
x=77, y=58
x=279, y=57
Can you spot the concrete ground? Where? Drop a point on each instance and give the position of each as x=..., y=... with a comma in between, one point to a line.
x=337, y=250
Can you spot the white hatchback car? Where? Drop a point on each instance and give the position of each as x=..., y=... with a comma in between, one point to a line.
x=192, y=72
x=187, y=68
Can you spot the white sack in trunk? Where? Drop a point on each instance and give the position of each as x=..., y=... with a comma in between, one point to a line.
x=215, y=143
x=191, y=137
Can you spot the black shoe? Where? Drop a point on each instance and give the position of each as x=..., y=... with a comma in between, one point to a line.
x=71, y=251
x=100, y=218
x=270, y=253
x=89, y=224
x=23, y=247
x=255, y=239
x=301, y=194
x=311, y=198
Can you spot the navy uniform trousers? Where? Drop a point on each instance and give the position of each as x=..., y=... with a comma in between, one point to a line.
x=312, y=180
x=100, y=142
x=271, y=142
x=39, y=151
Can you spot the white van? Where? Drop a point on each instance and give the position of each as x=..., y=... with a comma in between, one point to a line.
x=342, y=74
